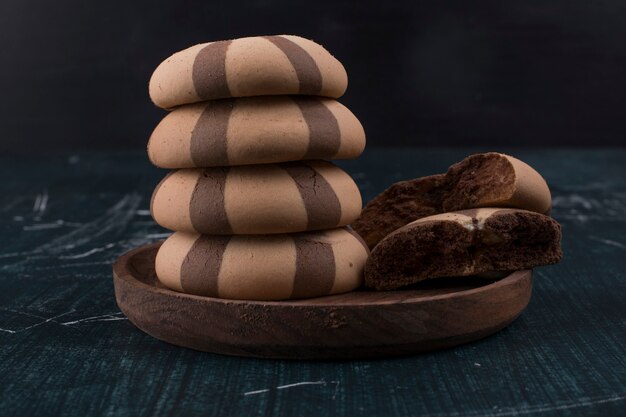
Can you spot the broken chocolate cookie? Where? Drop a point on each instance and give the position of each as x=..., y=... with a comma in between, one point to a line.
x=463, y=243
x=481, y=180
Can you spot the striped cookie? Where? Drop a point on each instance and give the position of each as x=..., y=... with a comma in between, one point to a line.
x=267, y=267
x=256, y=199
x=256, y=130
x=481, y=180
x=256, y=66
x=462, y=243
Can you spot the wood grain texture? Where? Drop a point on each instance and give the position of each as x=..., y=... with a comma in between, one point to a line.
x=66, y=349
x=359, y=324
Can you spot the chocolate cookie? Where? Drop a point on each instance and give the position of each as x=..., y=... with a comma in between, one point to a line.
x=267, y=267
x=256, y=130
x=481, y=180
x=255, y=66
x=256, y=199
x=463, y=243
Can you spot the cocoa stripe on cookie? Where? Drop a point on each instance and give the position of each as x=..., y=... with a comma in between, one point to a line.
x=199, y=272
x=324, y=133
x=208, y=145
x=320, y=201
x=206, y=209
x=209, y=71
x=307, y=71
x=315, y=268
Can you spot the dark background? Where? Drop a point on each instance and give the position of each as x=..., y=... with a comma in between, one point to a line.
x=74, y=74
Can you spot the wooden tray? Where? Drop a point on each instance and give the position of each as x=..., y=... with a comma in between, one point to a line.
x=439, y=314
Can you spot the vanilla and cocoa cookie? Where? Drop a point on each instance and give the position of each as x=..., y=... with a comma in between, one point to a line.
x=256, y=130
x=256, y=199
x=462, y=243
x=481, y=180
x=254, y=66
x=267, y=267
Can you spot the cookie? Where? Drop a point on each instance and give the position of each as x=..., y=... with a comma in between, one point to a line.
x=481, y=180
x=398, y=205
x=463, y=243
x=256, y=199
x=266, y=267
x=255, y=66
x=256, y=130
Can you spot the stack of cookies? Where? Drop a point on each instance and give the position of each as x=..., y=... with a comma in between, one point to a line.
x=258, y=213
x=488, y=214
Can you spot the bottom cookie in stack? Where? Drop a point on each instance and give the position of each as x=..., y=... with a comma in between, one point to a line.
x=263, y=267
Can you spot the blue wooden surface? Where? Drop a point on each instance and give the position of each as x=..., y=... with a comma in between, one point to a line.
x=65, y=349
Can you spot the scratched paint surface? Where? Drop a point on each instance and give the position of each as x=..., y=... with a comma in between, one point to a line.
x=65, y=348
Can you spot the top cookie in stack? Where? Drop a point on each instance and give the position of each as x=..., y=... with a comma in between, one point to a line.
x=256, y=66
x=249, y=120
